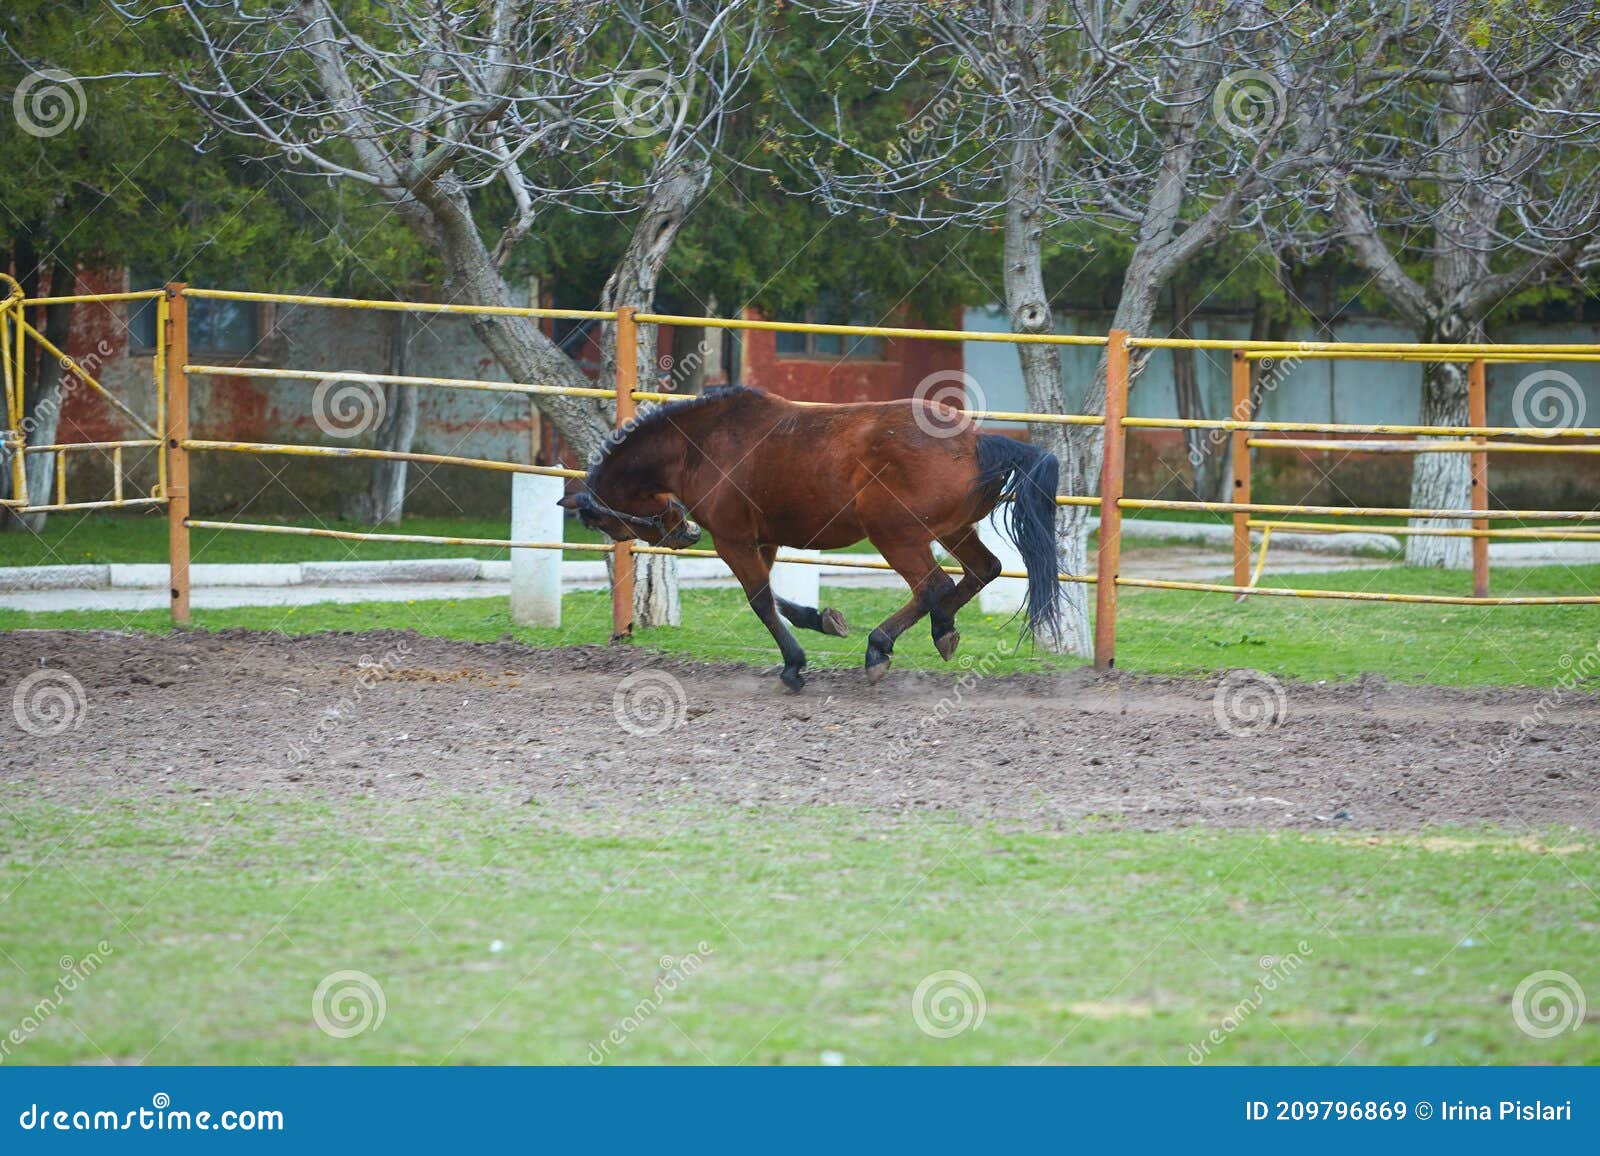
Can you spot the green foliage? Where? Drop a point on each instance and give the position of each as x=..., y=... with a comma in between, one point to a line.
x=134, y=178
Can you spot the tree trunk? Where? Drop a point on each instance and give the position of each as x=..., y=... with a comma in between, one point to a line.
x=1085, y=445
x=633, y=282
x=528, y=355
x=43, y=423
x=1158, y=252
x=1442, y=481
x=1028, y=309
x=1460, y=241
x=517, y=343
x=383, y=504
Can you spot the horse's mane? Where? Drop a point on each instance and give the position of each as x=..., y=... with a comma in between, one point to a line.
x=663, y=416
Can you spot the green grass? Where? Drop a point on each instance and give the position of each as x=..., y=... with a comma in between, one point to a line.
x=103, y=538
x=1164, y=632
x=813, y=931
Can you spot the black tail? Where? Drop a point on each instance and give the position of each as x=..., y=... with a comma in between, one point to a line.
x=1028, y=476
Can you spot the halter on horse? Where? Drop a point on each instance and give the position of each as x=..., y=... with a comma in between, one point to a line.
x=760, y=472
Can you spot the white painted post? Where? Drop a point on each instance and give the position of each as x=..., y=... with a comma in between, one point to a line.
x=536, y=574
x=1003, y=595
x=799, y=583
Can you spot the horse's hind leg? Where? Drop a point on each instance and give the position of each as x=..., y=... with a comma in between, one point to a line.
x=981, y=567
x=752, y=571
x=929, y=587
x=826, y=621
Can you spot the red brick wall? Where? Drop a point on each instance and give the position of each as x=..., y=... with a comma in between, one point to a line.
x=98, y=341
x=903, y=364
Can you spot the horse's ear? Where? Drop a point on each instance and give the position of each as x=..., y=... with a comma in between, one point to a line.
x=570, y=502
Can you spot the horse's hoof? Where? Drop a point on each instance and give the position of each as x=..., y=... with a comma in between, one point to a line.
x=946, y=644
x=876, y=671
x=833, y=623
x=793, y=679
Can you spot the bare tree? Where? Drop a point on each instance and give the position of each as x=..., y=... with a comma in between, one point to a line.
x=1469, y=177
x=1165, y=120
x=475, y=120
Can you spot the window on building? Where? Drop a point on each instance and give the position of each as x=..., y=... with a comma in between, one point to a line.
x=230, y=327
x=831, y=312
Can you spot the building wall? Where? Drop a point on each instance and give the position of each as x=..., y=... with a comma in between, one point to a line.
x=896, y=374
x=1310, y=391
x=503, y=427
x=237, y=408
x=500, y=427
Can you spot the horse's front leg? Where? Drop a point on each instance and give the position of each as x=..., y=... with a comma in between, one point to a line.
x=751, y=569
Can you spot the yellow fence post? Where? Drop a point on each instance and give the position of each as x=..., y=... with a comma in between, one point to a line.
x=1240, y=455
x=1111, y=482
x=1478, y=415
x=19, y=384
x=15, y=438
x=175, y=355
x=627, y=355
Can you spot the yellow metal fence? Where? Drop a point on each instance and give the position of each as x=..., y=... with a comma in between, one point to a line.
x=15, y=334
x=172, y=370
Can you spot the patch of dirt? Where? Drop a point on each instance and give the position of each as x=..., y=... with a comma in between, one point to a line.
x=398, y=717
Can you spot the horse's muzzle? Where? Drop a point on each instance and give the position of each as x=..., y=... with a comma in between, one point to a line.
x=683, y=537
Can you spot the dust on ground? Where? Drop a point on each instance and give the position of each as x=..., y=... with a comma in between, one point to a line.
x=398, y=717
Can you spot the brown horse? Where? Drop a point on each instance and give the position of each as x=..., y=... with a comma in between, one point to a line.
x=760, y=472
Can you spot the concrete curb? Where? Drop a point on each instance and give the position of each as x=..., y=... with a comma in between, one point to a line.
x=153, y=576
x=404, y=570
x=55, y=577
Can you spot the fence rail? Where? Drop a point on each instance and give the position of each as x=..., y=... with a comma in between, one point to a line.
x=171, y=432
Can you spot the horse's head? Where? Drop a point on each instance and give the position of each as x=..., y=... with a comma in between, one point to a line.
x=671, y=527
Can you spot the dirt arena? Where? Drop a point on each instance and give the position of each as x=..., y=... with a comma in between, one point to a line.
x=233, y=714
